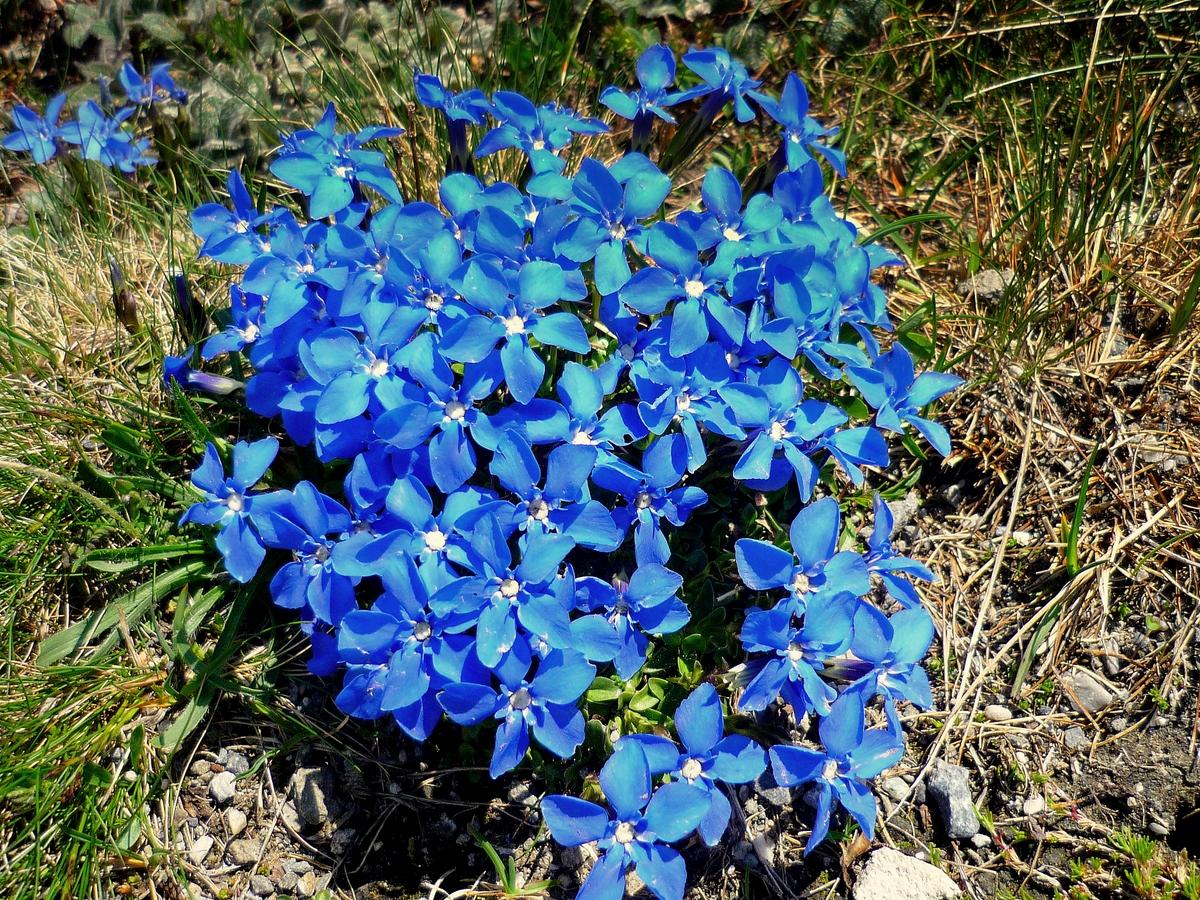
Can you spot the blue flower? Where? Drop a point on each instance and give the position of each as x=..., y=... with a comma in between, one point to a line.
x=459, y=110
x=723, y=78
x=708, y=756
x=637, y=834
x=155, y=86
x=800, y=130
x=771, y=409
x=36, y=134
x=815, y=564
x=798, y=653
x=101, y=138
x=562, y=505
x=651, y=494
x=231, y=236
x=512, y=314
x=894, y=648
x=852, y=754
x=501, y=596
x=655, y=72
x=539, y=131
x=896, y=393
x=888, y=564
x=646, y=604
x=245, y=326
x=229, y=503
x=544, y=706
x=327, y=167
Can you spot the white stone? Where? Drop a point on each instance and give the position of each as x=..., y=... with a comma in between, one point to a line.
x=222, y=788
x=997, y=713
x=236, y=820
x=199, y=849
x=1034, y=805
x=890, y=875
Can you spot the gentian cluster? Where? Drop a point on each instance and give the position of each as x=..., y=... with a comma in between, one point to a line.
x=524, y=383
x=98, y=131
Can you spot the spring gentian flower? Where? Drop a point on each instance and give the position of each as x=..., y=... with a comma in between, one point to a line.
x=179, y=369
x=656, y=73
x=708, y=756
x=544, y=706
x=893, y=390
x=459, y=111
x=245, y=326
x=36, y=134
x=327, y=167
x=815, y=564
x=151, y=88
x=229, y=504
x=893, y=647
x=231, y=236
x=798, y=653
x=101, y=138
x=637, y=835
x=651, y=494
x=648, y=603
x=852, y=755
x=890, y=565
x=800, y=130
x=539, y=131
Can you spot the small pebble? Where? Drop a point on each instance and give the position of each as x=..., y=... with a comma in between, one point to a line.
x=307, y=885
x=233, y=761
x=1158, y=828
x=982, y=840
x=236, y=820
x=288, y=881
x=896, y=788
x=299, y=866
x=223, y=788
x=201, y=767
x=997, y=713
x=342, y=840
x=262, y=885
x=200, y=848
x=242, y=853
x=1074, y=736
x=1034, y=805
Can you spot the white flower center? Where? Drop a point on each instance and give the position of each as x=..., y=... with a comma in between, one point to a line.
x=455, y=410
x=514, y=324
x=306, y=268
x=617, y=230
x=434, y=301
x=795, y=652
x=241, y=227
x=435, y=540
x=801, y=583
x=539, y=509
x=520, y=699
x=830, y=771
x=732, y=360
x=379, y=368
x=250, y=333
x=694, y=288
x=539, y=144
x=582, y=437
x=778, y=431
x=625, y=833
x=235, y=502
x=691, y=769
x=642, y=500
x=422, y=631
x=322, y=554
x=794, y=137
x=628, y=352
x=342, y=171
x=509, y=588
x=683, y=402
x=731, y=234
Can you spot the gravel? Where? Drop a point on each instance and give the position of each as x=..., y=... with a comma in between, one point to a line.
x=235, y=820
x=242, y=853
x=891, y=875
x=262, y=885
x=988, y=285
x=1086, y=691
x=200, y=848
x=767, y=788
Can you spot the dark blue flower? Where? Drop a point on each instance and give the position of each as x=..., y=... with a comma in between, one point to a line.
x=888, y=564
x=229, y=503
x=544, y=706
x=539, y=131
x=800, y=130
x=459, y=110
x=723, y=78
x=894, y=648
x=179, y=369
x=852, y=755
x=638, y=832
x=647, y=603
x=102, y=139
x=36, y=134
x=896, y=393
x=232, y=236
x=156, y=86
x=656, y=73
x=708, y=756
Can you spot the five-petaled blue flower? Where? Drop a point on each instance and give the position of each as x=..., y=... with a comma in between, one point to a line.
x=36, y=134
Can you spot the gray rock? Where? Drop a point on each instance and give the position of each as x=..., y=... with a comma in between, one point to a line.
x=242, y=853
x=521, y=793
x=1086, y=691
x=235, y=820
x=291, y=818
x=222, y=788
x=1074, y=737
x=896, y=788
x=314, y=791
x=981, y=840
x=288, y=881
x=342, y=840
x=233, y=761
x=306, y=885
x=1035, y=805
x=903, y=510
x=199, y=849
x=890, y=875
x=950, y=788
x=997, y=713
x=1118, y=724
x=299, y=866
x=988, y=285
x=766, y=787
x=262, y=885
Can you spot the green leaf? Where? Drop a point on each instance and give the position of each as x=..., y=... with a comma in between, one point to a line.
x=133, y=605
x=201, y=434
x=643, y=700
x=124, y=559
x=193, y=714
x=1183, y=312
x=603, y=690
x=900, y=224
